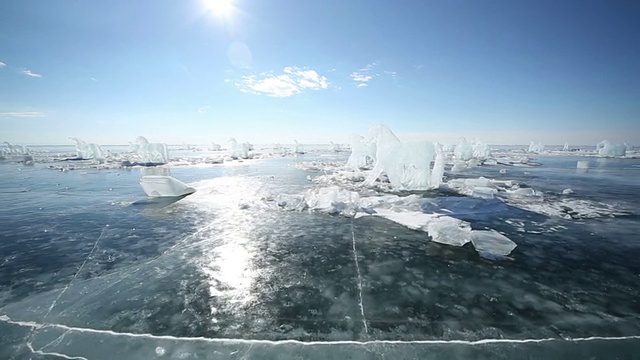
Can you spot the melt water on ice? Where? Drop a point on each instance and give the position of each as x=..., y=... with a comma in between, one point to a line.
x=392, y=250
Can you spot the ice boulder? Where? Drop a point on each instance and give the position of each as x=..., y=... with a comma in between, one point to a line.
x=464, y=150
x=164, y=186
x=155, y=153
x=237, y=150
x=88, y=150
x=406, y=164
x=363, y=153
x=607, y=149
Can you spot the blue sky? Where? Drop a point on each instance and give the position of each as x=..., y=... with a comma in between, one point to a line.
x=506, y=71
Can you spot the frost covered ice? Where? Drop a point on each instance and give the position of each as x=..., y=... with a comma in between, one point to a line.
x=164, y=186
x=363, y=153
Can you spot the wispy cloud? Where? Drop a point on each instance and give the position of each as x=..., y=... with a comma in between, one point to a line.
x=31, y=74
x=203, y=109
x=2, y=64
x=22, y=114
x=364, y=75
x=292, y=81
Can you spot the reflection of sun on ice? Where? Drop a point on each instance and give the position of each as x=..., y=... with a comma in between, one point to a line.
x=222, y=8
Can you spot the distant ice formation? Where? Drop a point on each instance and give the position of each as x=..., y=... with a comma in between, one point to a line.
x=13, y=149
x=464, y=150
x=299, y=148
x=481, y=151
x=164, y=186
x=536, y=147
x=88, y=150
x=237, y=150
x=155, y=153
x=565, y=147
x=215, y=147
x=607, y=149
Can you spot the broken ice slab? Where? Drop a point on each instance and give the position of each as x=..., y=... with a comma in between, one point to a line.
x=164, y=186
x=491, y=242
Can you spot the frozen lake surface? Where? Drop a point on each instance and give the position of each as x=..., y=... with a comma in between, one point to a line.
x=91, y=268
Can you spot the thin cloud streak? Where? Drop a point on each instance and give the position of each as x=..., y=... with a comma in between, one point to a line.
x=31, y=74
x=22, y=114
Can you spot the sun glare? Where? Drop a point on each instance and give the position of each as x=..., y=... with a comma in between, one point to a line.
x=221, y=8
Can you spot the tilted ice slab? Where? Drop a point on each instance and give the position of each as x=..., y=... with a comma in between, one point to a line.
x=164, y=186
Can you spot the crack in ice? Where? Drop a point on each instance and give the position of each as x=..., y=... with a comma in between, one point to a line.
x=355, y=257
x=39, y=326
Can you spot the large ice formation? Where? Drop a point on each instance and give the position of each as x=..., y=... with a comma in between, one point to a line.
x=464, y=150
x=13, y=149
x=491, y=242
x=164, y=186
x=363, y=153
x=607, y=149
x=407, y=164
x=481, y=150
x=536, y=147
x=215, y=147
x=237, y=150
x=88, y=150
x=565, y=147
x=156, y=153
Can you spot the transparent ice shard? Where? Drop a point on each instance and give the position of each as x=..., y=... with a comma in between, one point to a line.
x=449, y=231
x=491, y=242
x=164, y=186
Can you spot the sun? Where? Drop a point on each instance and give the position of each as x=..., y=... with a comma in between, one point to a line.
x=221, y=8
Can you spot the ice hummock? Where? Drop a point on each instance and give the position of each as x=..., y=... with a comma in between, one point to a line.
x=464, y=150
x=14, y=149
x=407, y=164
x=164, y=186
x=88, y=150
x=237, y=150
x=606, y=149
x=155, y=153
x=536, y=147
